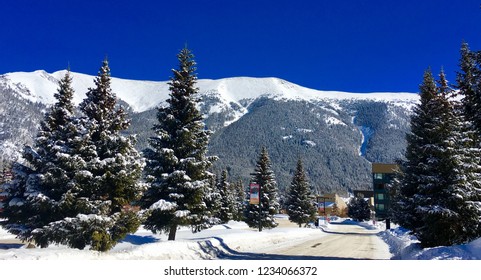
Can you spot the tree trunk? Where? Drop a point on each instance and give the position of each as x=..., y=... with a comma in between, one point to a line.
x=172, y=232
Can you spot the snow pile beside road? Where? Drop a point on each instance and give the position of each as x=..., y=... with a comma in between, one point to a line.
x=404, y=246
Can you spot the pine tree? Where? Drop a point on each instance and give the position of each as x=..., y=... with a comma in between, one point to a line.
x=419, y=170
x=269, y=200
x=39, y=187
x=420, y=157
x=299, y=205
x=431, y=196
x=226, y=198
x=469, y=145
x=239, y=201
x=436, y=190
x=213, y=201
x=176, y=162
x=17, y=209
x=358, y=209
x=107, y=179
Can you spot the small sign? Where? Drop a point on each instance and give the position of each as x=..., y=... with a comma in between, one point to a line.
x=254, y=193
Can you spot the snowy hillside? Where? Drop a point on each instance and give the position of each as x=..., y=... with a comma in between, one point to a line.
x=39, y=86
x=337, y=133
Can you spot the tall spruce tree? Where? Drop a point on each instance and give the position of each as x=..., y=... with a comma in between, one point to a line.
x=299, y=204
x=416, y=168
x=39, y=190
x=108, y=177
x=431, y=195
x=176, y=162
x=262, y=215
x=436, y=198
x=469, y=144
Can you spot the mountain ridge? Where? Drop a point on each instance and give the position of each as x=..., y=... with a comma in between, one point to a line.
x=43, y=85
x=336, y=133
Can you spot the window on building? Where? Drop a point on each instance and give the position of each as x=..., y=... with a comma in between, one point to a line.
x=379, y=186
x=380, y=206
x=380, y=196
x=378, y=176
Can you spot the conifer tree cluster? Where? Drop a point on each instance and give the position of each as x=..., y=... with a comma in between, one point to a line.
x=437, y=192
x=262, y=215
x=81, y=175
x=299, y=204
x=227, y=200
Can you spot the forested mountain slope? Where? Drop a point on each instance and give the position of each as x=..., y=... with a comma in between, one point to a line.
x=337, y=134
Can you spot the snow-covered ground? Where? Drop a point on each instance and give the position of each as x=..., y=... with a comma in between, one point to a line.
x=221, y=241
x=228, y=241
x=234, y=241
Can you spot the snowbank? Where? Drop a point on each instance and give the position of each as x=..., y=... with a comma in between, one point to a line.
x=404, y=246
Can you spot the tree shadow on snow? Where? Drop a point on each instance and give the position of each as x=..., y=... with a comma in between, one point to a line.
x=6, y=246
x=351, y=222
x=223, y=251
x=347, y=233
x=139, y=240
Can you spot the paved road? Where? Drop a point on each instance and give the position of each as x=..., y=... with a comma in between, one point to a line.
x=343, y=241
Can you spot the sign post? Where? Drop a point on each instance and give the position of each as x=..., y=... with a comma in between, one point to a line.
x=254, y=193
x=255, y=198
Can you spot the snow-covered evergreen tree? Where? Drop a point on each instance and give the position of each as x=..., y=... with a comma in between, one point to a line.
x=422, y=142
x=269, y=200
x=213, y=201
x=226, y=198
x=358, y=209
x=468, y=156
x=299, y=203
x=239, y=201
x=107, y=177
x=39, y=188
x=176, y=162
x=17, y=210
x=437, y=203
x=433, y=194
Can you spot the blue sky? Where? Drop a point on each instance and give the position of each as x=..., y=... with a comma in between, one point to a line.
x=350, y=45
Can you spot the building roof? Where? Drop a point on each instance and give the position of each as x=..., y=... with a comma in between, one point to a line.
x=384, y=167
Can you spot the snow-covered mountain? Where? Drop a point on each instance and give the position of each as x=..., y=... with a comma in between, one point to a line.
x=327, y=127
x=39, y=86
